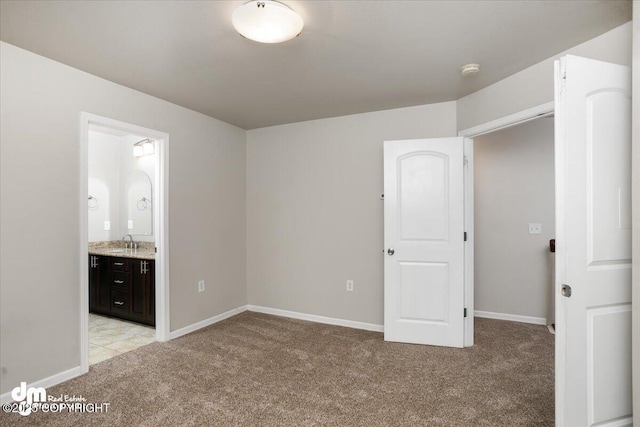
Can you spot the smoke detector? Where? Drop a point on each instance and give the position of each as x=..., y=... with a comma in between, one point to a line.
x=469, y=70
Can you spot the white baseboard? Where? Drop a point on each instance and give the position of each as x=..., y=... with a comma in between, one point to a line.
x=210, y=321
x=511, y=317
x=48, y=382
x=319, y=319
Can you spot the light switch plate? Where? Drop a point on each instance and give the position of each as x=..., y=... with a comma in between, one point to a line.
x=535, y=228
x=107, y=225
x=130, y=224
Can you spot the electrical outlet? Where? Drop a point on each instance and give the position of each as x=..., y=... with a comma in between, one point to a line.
x=350, y=285
x=535, y=228
x=201, y=286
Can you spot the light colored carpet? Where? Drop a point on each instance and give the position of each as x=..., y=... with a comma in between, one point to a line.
x=260, y=370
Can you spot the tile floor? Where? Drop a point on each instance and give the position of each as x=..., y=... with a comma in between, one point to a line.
x=110, y=337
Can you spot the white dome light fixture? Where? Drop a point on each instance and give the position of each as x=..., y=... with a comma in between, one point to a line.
x=267, y=21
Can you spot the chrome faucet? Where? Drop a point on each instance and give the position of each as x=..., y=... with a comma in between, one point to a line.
x=125, y=240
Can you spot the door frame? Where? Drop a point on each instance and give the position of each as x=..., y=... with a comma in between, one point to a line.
x=160, y=226
x=523, y=116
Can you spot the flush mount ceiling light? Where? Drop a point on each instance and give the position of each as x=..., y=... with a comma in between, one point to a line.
x=469, y=70
x=267, y=21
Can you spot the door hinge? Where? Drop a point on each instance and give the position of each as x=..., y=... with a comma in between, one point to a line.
x=465, y=236
x=465, y=312
x=465, y=160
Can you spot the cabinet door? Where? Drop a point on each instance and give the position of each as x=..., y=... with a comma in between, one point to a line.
x=99, y=287
x=143, y=292
x=94, y=282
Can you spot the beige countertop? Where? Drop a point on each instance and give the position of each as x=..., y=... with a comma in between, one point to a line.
x=116, y=248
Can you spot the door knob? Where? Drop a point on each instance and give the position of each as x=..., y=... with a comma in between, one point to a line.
x=391, y=251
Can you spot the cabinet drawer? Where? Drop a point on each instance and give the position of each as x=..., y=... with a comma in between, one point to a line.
x=120, y=302
x=119, y=264
x=120, y=279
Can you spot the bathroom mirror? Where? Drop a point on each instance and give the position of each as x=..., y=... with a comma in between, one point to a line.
x=139, y=206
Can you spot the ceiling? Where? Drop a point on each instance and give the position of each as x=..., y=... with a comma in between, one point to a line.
x=352, y=56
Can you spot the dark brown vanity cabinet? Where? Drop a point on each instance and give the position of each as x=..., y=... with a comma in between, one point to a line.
x=122, y=287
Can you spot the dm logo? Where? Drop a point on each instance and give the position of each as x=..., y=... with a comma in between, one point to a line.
x=27, y=397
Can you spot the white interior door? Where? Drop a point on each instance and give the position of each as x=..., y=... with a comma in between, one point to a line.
x=593, y=245
x=424, y=241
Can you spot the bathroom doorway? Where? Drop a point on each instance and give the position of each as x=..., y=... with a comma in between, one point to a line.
x=123, y=240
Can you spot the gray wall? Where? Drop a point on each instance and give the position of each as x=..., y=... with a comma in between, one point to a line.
x=534, y=85
x=314, y=210
x=40, y=104
x=636, y=212
x=514, y=186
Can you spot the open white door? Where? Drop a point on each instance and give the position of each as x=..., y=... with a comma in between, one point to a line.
x=593, y=245
x=424, y=241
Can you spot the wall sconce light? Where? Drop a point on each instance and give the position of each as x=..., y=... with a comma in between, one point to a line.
x=148, y=147
x=143, y=148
